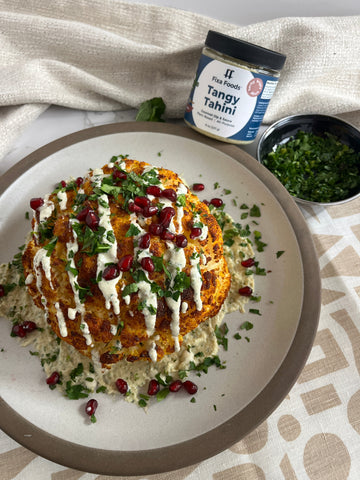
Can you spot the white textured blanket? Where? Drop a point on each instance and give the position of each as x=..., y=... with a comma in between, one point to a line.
x=110, y=55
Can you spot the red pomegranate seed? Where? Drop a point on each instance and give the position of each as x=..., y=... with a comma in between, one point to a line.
x=153, y=387
x=133, y=208
x=110, y=272
x=82, y=214
x=122, y=386
x=144, y=241
x=155, y=229
x=190, y=387
x=79, y=181
x=195, y=232
x=53, y=379
x=142, y=201
x=198, y=187
x=150, y=210
x=92, y=220
x=62, y=184
x=166, y=215
x=245, y=291
x=91, y=407
x=170, y=194
x=147, y=264
x=2, y=291
x=181, y=241
x=153, y=190
x=217, y=202
x=167, y=235
x=125, y=263
x=207, y=203
x=18, y=331
x=249, y=262
x=119, y=175
x=175, y=386
x=36, y=203
x=29, y=326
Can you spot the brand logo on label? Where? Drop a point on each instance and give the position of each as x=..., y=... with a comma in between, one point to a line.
x=254, y=87
x=229, y=73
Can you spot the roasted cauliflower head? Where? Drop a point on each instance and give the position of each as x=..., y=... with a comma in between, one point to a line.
x=125, y=261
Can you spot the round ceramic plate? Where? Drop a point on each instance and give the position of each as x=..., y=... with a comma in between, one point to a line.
x=259, y=371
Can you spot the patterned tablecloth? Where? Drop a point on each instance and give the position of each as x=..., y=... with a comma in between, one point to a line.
x=315, y=433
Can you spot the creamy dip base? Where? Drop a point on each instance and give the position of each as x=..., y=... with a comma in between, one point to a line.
x=198, y=344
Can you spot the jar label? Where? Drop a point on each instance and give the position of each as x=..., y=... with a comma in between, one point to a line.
x=228, y=101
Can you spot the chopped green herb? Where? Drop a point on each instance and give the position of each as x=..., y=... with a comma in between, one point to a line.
x=254, y=311
x=255, y=211
x=316, y=168
x=133, y=231
x=246, y=326
x=279, y=253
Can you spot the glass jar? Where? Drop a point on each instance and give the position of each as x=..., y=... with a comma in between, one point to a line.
x=234, y=83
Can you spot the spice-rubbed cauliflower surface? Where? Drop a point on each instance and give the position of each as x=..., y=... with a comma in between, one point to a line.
x=125, y=261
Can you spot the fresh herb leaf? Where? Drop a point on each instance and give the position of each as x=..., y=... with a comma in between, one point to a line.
x=151, y=110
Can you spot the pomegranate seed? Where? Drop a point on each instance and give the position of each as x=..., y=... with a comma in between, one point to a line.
x=175, y=386
x=181, y=241
x=2, y=291
x=190, y=387
x=133, y=208
x=110, y=272
x=79, y=181
x=122, y=386
x=144, y=241
x=166, y=215
x=125, y=263
x=92, y=220
x=18, y=331
x=150, y=211
x=198, y=187
x=53, y=379
x=207, y=203
x=245, y=291
x=217, y=202
x=142, y=201
x=154, y=191
x=155, y=229
x=119, y=175
x=82, y=215
x=249, y=262
x=62, y=184
x=195, y=232
x=147, y=264
x=91, y=407
x=36, y=203
x=29, y=326
x=153, y=387
x=170, y=194
x=167, y=235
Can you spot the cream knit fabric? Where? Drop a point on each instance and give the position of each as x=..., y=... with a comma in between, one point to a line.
x=110, y=55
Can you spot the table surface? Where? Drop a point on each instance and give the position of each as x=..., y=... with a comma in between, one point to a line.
x=315, y=433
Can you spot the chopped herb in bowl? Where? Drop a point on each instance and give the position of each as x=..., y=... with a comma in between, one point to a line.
x=316, y=168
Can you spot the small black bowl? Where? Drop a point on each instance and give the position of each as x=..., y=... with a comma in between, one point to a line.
x=282, y=130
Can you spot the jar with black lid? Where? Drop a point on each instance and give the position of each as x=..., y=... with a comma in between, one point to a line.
x=234, y=83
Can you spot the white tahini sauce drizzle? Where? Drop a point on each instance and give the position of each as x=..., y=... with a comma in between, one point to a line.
x=46, y=209
x=196, y=279
x=61, y=320
x=152, y=352
x=41, y=259
x=72, y=247
x=37, y=262
x=107, y=287
x=176, y=263
x=146, y=296
x=181, y=190
x=204, y=228
x=62, y=197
